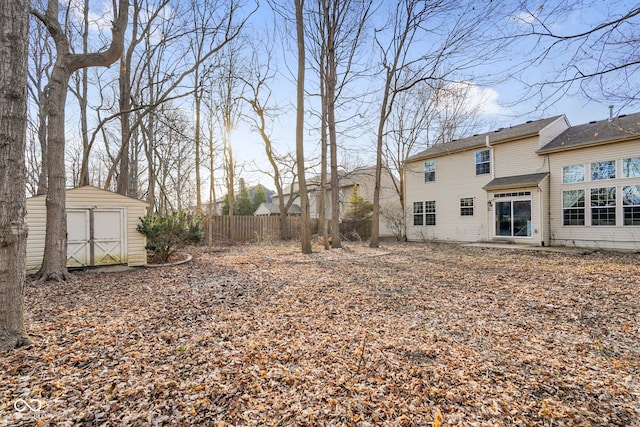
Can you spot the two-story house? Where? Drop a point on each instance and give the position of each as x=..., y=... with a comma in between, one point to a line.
x=540, y=183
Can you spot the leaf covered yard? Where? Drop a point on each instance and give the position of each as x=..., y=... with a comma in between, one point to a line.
x=407, y=334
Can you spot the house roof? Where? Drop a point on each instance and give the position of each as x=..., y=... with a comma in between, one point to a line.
x=275, y=208
x=530, y=128
x=595, y=133
x=516, y=181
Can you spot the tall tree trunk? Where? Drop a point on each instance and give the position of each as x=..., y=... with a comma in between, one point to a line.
x=42, y=139
x=14, y=26
x=322, y=200
x=305, y=226
x=330, y=88
x=83, y=101
x=197, y=94
x=54, y=263
x=125, y=127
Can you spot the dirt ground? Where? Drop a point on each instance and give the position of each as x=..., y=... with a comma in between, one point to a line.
x=407, y=334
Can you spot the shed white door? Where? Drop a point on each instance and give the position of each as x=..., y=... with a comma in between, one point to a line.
x=95, y=236
x=108, y=236
x=78, y=237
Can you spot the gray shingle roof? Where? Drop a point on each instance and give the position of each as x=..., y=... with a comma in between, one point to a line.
x=595, y=133
x=517, y=181
x=274, y=208
x=529, y=128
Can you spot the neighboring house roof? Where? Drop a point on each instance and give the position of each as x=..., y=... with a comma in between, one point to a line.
x=595, y=133
x=274, y=209
x=530, y=128
x=517, y=181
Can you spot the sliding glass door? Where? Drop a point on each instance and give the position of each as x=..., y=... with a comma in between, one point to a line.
x=513, y=218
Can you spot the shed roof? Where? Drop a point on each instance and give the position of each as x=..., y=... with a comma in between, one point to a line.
x=516, y=181
x=595, y=133
x=530, y=128
x=97, y=192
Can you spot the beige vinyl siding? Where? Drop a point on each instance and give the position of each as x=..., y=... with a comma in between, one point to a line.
x=518, y=158
x=455, y=179
x=552, y=130
x=87, y=197
x=608, y=237
x=36, y=221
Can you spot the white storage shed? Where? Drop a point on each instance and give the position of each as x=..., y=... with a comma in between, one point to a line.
x=101, y=229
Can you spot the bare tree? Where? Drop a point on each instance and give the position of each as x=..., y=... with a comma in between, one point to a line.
x=158, y=76
x=259, y=98
x=460, y=26
x=41, y=61
x=305, y=232
x=600, y=59
x=339, y=26
x=228, y=89
x=54, y=264
x=14, y=30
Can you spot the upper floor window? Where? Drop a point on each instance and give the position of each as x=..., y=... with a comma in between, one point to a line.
x=466, y=206
x=483, y=162
x=573, y=173
x=631, y=167
x=429, y=170
x=603, y=170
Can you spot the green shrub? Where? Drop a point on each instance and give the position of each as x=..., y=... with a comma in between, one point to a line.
x=169, y=233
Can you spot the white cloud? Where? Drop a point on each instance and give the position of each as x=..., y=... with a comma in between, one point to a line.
x=524, y=17
x=475, y=98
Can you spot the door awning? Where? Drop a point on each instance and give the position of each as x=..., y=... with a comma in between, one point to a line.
x=516, y=181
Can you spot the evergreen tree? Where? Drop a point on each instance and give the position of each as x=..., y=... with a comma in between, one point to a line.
x=243, y=204
x=359, y=208
x=259, y=196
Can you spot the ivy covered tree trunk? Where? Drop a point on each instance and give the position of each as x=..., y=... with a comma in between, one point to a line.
x=14, y=24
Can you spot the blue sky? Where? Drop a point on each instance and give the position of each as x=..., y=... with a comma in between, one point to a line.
x=499, y=93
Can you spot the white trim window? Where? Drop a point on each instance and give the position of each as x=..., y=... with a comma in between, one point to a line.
x=466, y=206
x=631, y=167
x=603, y=206
x=631, y=204
x=424, y=213
x=429, y=171
x=573, y=208
x=603, y=170
x=430, y=212
x=573, y=173
x=418, y=213
x=483, y=162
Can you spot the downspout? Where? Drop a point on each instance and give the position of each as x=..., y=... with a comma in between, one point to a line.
x=491, y=232
x=491, y=159
x=403, y=207
x=549, y=200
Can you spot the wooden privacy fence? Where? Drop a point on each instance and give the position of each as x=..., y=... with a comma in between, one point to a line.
x=253, y=228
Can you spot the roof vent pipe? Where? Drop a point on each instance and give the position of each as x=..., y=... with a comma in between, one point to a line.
x=610, y=113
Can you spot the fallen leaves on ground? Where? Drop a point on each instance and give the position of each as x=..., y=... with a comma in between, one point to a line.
x=409, y=334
